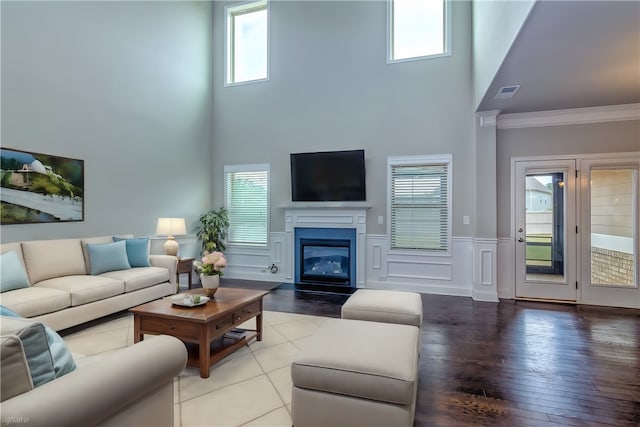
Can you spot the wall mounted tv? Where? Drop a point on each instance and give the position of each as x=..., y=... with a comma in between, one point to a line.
x=329, y=176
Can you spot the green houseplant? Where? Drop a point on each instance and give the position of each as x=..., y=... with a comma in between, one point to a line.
x=213, y=229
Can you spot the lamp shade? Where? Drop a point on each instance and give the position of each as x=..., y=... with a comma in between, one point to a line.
x=171, y=226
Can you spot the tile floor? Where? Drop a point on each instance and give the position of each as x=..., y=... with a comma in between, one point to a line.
x=251, y=387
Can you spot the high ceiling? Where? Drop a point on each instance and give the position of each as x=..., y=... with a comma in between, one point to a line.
x=572, y=54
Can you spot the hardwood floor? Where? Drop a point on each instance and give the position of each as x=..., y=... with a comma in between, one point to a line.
x=514, y=363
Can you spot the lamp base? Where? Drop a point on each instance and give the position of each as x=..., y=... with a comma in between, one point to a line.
x=171, y=246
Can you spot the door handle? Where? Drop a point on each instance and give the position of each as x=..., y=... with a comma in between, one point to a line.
x=520, y=239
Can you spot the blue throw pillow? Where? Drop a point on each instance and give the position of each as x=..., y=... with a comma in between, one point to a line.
x=137, y=251
x=12, y=274
x=62, y=360
x=105, y=257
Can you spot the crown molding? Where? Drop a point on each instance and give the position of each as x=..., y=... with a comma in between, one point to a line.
x=610, y=113
x=488, y=118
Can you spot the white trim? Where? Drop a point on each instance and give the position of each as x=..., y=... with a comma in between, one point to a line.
x=610, y=113
x=488, y=118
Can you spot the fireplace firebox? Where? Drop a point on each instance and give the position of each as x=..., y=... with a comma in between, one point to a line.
x=325, y=261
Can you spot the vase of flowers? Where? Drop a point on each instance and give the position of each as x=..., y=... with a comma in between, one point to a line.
x=210, y=269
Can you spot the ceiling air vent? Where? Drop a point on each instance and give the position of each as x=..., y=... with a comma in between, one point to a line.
x=507, y=91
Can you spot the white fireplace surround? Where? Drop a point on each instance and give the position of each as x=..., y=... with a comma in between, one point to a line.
x=329, y=217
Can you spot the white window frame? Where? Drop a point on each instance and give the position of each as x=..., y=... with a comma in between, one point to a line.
x=263, y=167
x=228, y=39
x=421, y=160
x=447, y=36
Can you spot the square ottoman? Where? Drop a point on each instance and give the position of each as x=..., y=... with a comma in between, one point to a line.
x=356, y=373
x=376, y=305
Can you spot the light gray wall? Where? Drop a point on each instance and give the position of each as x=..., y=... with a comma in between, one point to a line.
x=496, y=24
x=611, y=137
x=125, y=86
x=330, y=88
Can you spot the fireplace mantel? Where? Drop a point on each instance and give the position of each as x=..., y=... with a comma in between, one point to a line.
x=328, y=205
x=323, y=216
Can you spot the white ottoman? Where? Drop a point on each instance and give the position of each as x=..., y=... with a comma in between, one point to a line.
x=404, y=308
x=356, y=373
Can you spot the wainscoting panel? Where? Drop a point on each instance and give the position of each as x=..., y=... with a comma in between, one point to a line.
x=254, y=263
x=506, y=274
x=485, y=265
x=419, y=272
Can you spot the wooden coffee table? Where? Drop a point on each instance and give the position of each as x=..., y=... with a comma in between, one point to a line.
x=202, y=328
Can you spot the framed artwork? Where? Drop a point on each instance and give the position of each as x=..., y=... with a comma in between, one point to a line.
x=36, y=188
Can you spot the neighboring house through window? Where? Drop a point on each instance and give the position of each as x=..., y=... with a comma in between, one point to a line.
x=417, y=29
x=247, y=201
x=420, y=202
x=246, y=42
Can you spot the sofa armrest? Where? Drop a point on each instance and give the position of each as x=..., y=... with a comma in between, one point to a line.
x=100, y=391
x=166, y=261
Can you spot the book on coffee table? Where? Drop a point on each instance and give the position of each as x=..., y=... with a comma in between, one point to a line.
x=235, y=334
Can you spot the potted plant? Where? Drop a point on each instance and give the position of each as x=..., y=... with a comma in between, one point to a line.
x=213, y=229
x=210, y=269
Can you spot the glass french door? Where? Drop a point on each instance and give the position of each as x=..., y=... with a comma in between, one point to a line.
x=576, y=230
x=545, y=235
x=609, y=239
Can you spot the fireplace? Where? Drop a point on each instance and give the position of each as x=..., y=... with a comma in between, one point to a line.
x=325, y=256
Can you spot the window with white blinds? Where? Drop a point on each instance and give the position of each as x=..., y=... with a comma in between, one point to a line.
x=247, y=201
x=420, y=203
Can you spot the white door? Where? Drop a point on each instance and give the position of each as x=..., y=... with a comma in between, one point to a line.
x=546, y=233
x=609, y=236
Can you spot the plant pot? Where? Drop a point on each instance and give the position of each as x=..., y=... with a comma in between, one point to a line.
x=210, y=283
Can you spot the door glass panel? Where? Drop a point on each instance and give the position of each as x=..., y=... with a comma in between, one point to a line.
x=613, y=257
x=545, y=227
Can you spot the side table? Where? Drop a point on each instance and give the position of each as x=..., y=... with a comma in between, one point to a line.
x=185, y=265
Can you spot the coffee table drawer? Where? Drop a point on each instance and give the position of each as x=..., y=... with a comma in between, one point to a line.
x=170, y=327
x=246, y=312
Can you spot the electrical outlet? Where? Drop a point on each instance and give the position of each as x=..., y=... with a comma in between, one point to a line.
x=380, y=219
x=466, y=220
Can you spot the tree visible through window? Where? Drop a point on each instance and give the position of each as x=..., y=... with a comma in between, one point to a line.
x=420, y=203
x=247, y=201
x=417, y=29
x=246, y=42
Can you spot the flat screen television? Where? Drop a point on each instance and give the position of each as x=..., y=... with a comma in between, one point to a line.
x=329, y=176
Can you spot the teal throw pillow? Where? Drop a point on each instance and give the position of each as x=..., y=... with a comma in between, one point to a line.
x=63, y=362
x=137, y=251
x=12, y=274
x=105, y=257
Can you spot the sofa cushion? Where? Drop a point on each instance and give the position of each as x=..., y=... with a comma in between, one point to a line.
x=13, y=368
x=36, y=348
x=137, y=251
x=140, y=277
x=84, y=289
x=63, y=362
x=105, y=257
x=376, y=305
x=12, y=273
x=35, y=301
x=46, y=259
x=377, y=361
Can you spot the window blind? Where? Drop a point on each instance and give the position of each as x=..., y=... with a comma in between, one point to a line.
x=419, y=207
x=247, y=204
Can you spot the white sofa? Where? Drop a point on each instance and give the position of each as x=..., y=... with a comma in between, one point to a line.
x=62, y=292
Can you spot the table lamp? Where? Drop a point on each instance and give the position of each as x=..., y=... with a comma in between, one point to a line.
x=171, y=227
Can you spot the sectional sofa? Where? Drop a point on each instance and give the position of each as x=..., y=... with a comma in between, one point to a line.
x=67, y=282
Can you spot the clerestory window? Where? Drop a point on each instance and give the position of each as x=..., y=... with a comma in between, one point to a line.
x=247, y=42
x=417, y=29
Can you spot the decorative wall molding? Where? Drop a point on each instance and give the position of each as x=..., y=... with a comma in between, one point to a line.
x=506, y=272
x=611, y=113
x=485, y=264
x=488, y=118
